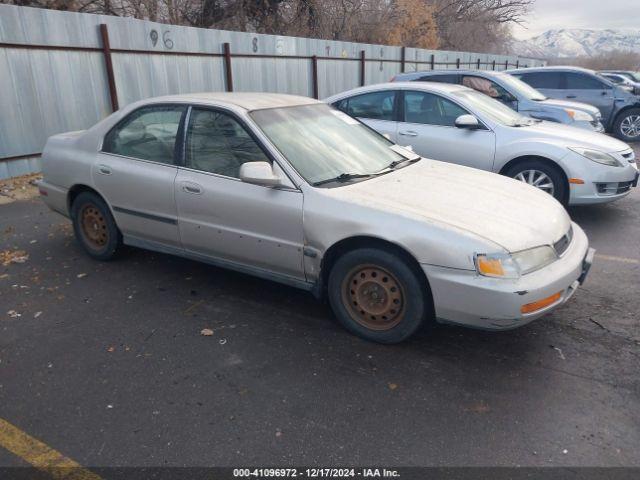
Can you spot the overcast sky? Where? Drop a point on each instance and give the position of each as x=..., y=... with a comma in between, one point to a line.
x=592, y=14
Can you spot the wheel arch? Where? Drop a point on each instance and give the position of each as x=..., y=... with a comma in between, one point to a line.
x=339, y=248
x=553, y=164
x=614, y=118
x=79, y=188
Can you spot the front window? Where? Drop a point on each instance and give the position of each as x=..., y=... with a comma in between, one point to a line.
x=430, y=109
x=492, y=109
x=217, y=143
x=322, y=143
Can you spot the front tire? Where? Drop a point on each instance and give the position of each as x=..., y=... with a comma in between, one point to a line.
x=95, y=229
x=542, y=176
x=627, y=125
x=376, y=295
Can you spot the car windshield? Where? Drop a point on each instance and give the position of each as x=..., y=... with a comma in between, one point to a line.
x=495, y=110
x=322, y=143
x=521, y=89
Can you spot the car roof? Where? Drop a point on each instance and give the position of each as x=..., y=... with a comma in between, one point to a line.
x=428, y=86
x=488, y=73
x=245, y=100
x=555, y=68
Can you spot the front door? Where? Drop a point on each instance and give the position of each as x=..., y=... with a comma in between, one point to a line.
x=429, y=127
x=586, y=88
x=224, y=218
x=135, y=172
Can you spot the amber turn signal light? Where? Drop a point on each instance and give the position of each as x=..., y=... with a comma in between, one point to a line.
x=540, y=304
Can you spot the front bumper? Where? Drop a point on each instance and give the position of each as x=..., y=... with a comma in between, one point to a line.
x=602, y=183
x=467, y=298
x=594, y=126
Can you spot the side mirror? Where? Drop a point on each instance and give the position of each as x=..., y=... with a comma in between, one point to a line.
x=259, y=173
x=470, y=122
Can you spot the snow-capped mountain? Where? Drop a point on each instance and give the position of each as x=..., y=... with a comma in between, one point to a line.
x=574, y=42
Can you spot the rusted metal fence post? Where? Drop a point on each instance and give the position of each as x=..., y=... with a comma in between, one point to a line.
x=403, y=57
x=518, y=63
x=362, y=65
x=493, y=65
x=227, y=66
x=314, y=75
x=433, y=62
x=111, y=79
x=478, y=66
x=506, y=65
x=458, y=63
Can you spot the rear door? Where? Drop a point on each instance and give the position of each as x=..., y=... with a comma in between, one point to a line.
x=376, y=109
x=583, y=87
x=135, y=172
x=429, y=127
x=224, y=218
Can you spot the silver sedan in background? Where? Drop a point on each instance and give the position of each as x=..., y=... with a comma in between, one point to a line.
x=290, y=189
x=457, y=124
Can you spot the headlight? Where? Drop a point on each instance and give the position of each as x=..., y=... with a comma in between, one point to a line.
x=596, y=156
x=504, y=265
x=579, y=115
x=534, y=259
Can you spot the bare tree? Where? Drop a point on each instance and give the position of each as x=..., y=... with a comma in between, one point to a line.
x=480, y=25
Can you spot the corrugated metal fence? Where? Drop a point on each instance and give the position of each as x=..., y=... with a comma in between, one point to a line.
x=62, y=71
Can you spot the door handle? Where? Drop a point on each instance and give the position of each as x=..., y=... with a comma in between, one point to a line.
x=192, y=188
x=409, y=133
x=104, y=169
x=571, y=96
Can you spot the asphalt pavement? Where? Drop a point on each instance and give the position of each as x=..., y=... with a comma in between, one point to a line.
x=106, y=363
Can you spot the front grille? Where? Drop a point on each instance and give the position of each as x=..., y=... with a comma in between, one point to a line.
x=614, y=188
x=561, y=245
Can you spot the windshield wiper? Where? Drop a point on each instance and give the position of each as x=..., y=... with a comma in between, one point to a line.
x=397, y=163
x=343, y=177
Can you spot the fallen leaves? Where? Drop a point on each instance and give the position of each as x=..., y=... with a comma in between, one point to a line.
x=19, y=188
x=14, y=314
x=206, y=332
x=13, y=256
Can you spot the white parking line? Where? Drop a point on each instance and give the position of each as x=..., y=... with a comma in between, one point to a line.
x=613, y=258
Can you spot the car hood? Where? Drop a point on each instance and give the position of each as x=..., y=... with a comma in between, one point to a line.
x=574, y=105
x=504, y=211
x=568, y=136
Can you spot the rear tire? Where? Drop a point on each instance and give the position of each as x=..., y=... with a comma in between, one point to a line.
x=540, y=174
x=95, y=229
x=627, y=125
x=376, y=295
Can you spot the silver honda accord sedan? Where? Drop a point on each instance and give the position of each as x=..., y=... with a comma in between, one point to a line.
x=292, y=190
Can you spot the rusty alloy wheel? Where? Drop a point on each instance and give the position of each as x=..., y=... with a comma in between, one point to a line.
x=94, y=227
x=373, y=296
